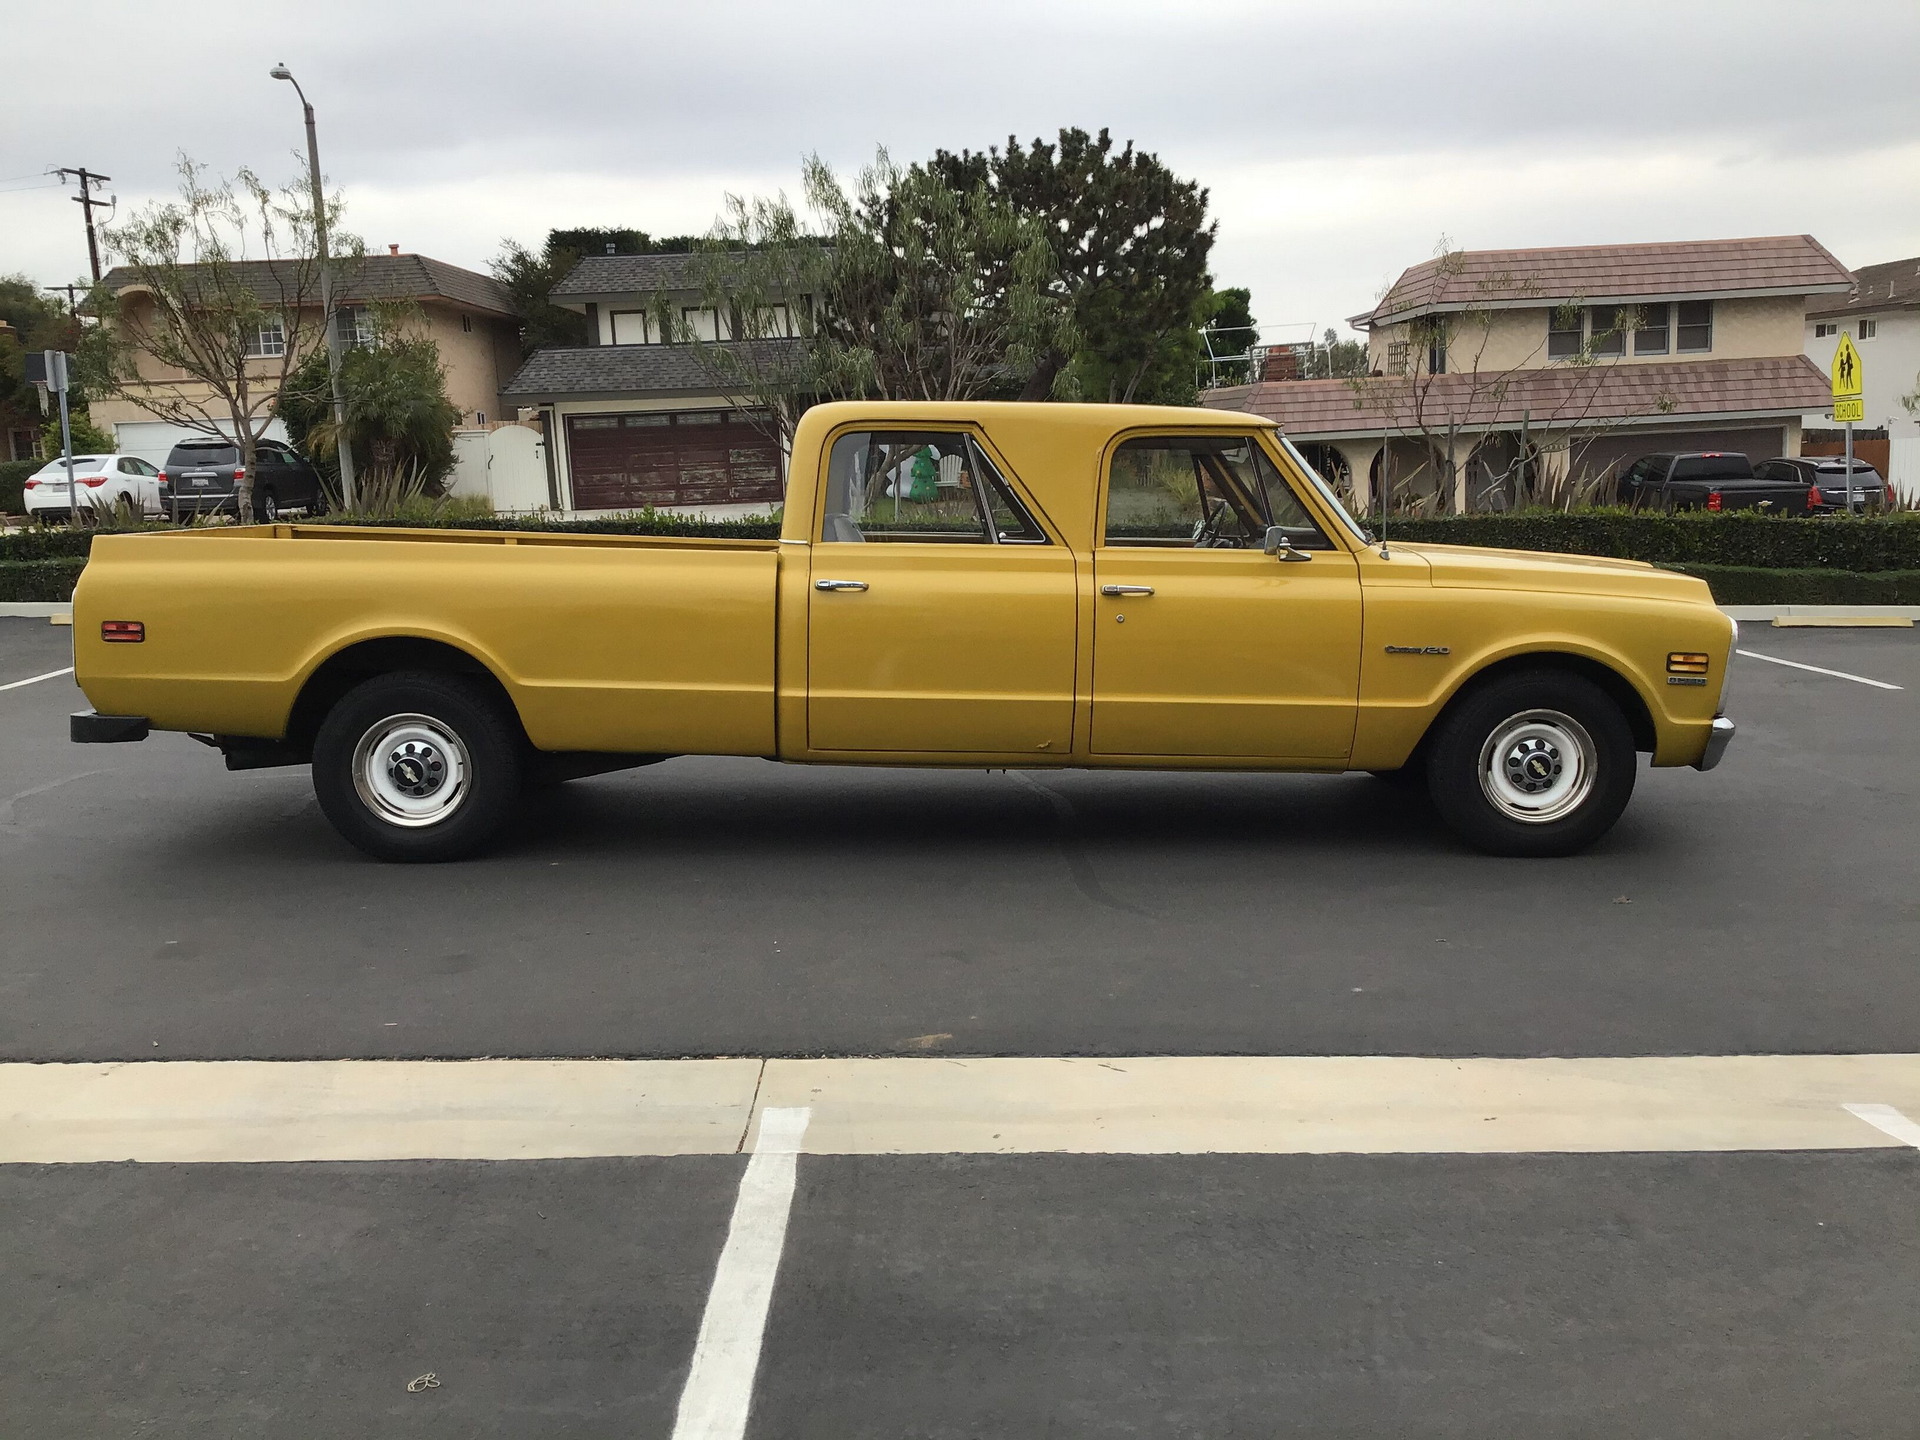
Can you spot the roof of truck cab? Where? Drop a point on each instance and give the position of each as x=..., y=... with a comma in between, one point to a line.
x=1053, y=449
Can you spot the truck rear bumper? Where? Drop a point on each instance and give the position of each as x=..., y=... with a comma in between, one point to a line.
x=1718, y=738
x=88, y=727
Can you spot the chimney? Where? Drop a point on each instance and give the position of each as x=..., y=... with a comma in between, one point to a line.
x=393, y=249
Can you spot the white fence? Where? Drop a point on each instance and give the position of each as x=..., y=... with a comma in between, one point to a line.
x=1903, y=466
x=508, y=465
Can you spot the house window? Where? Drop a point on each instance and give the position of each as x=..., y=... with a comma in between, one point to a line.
x=1433, y=334
x=1868, y=328
x=1693, y=320
x=355, y=325
x=1651, y=334
x=700, y=322
x=1563, y=333
x=466, y=324
x=633, y=327
x=1396, y=357
x=1609, y=335
x=1825, y=328
x=770, y=322
x=268, y=338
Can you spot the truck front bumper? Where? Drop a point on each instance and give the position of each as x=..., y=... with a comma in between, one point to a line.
x=1718, y=739
x=88, y=727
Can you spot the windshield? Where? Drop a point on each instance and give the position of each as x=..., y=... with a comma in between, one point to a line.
x=1319, y=481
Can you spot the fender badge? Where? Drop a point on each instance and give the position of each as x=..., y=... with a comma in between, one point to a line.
x=1419, y=650
x=1686, y=679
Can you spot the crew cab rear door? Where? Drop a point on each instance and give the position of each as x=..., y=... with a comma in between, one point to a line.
x=941, y=614
x=1203, y=644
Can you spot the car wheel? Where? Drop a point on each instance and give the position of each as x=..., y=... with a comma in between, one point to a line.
x=419, y=766
x=266, y=509
x=1536, y=763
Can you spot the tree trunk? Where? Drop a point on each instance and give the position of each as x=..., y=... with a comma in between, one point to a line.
x=243, y=487
x=1040, y=384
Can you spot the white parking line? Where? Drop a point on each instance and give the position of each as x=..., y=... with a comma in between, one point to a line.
x=1885, y=1117
x=36, y=679
x=1818, y=670
x=719, y=1389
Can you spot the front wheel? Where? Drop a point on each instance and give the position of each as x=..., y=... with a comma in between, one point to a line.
x=418, y=766
x=1537, y=763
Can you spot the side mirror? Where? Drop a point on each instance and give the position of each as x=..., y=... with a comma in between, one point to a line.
x=1280, y=545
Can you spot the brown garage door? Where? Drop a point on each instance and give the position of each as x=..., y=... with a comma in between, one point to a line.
x=698, y=457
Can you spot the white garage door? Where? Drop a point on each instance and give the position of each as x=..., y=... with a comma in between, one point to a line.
x=154, y=439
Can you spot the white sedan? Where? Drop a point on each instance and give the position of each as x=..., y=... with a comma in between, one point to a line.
x=100, y=482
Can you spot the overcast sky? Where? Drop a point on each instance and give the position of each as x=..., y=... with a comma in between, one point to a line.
x=1340, y=141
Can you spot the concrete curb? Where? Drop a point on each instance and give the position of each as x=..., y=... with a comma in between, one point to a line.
x=1831, y=612
x=36, y=609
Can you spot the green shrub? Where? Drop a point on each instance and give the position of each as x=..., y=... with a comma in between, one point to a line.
x=58, y=543
x=39, y=580
x=13, y=479
x=1865, y=544
x=1752, y=585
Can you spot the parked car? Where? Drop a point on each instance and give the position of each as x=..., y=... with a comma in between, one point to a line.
x=1826, y=479
x=100, y=482
x=1707, y=480
x=965, y=584
x=202, y=476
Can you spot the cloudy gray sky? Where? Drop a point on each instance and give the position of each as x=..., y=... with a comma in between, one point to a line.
x=1340, y=141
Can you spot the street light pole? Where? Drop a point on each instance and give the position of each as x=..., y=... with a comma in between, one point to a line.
x=341, y=448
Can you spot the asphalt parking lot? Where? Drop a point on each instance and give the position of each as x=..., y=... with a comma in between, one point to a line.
x=159, y=908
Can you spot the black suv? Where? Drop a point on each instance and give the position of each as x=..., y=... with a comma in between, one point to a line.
x=1826, y=477
x=199, y=477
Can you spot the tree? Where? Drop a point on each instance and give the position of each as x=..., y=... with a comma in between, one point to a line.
x=399, y=419
x=36, y=322
x=220, y=297
x=1336, y=359
x=530, y=278
x=1130, y=242
x=907, y=289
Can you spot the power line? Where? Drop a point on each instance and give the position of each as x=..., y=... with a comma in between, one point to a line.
x=88, y=179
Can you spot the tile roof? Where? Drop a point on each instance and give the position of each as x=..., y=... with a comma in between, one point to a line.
x=1892, y=286
x=1779, y=264
x=579, y=372
x=627, y=274
x=1560, y=396
x=372, y=277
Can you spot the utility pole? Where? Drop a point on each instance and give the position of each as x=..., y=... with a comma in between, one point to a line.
x=72, y=292
x=88, y=179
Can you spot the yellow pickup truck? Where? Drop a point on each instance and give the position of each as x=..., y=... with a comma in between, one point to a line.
x=958, y=584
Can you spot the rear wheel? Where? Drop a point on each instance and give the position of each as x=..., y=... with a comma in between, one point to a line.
x=266, y=508
x=418, y=766
x=1535, y=763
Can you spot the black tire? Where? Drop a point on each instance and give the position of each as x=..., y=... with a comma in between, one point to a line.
x=1540, y=741
x=266, y=508
x=436, y=730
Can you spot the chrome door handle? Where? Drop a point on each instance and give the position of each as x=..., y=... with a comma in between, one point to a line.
x=839, y=584
x=1126, y=589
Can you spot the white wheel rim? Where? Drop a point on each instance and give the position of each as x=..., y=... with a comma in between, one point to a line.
x=411, y=770
x=1538, y=766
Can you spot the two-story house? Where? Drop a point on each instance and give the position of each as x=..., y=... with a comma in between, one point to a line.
x=1501, y=377
x=1881, y=314
x=469, y=317
x=638, y=416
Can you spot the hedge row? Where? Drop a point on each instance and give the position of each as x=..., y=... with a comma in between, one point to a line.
x=1739, y=538
x=39, y=580
x=13, y=479
x=1752, y=585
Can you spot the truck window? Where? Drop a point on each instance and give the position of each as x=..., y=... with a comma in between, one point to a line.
x=1209, y=491
x=919, y=487
x=1713, y=467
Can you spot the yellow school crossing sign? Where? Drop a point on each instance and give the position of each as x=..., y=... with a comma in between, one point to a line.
x=1847, y=404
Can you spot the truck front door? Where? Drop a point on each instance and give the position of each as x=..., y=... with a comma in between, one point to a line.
x=1203, y=643
x=941, y=615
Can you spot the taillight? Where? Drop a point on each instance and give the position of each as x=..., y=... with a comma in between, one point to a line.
x=161, y=477
x=93, y=482
x=123, y=632
x=1813, y=495
x=239, y=473
x=31, y=483
x=1713, y=500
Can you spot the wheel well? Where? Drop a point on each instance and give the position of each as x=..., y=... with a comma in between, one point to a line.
x=1618, y=688
x=340, y=672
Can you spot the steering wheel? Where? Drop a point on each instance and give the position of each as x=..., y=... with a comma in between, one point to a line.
x=1206, y=535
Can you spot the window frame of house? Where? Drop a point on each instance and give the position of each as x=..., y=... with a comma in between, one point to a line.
x=1558, y=332
x=1643, y=332
x=1397, y=353
x=1607, y=341
x=1868, y=329
x=764, y=326
x=693, y=331
x=1681, y=325
x=259, y=346
x=355, y=326
x=1824, y=329
x=647, y=328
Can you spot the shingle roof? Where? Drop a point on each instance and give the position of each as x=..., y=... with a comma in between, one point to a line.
x=578, y=372
x=1560, y=396
x=1892, y=286
x=372, y=277
x=1778, y=264
x=625, y=274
